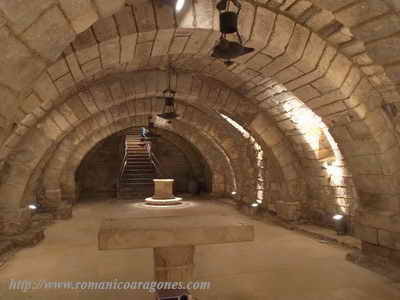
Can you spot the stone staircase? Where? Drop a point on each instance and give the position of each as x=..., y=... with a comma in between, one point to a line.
x=136, y=180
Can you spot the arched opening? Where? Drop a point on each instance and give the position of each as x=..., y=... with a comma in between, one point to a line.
x=316, y=103
x=100, y=170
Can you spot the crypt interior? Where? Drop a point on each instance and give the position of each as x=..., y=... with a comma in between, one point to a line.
x=297, y=136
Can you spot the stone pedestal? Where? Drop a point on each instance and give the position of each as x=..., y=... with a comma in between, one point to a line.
x=163, y=193
x=163, y=189
x=174, y=263
x=15, y=221
x=173, y=239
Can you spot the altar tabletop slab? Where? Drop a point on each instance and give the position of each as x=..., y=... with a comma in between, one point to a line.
x=172, y=231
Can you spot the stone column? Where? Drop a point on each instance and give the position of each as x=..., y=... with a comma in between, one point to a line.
x=289, y=211
x=52, y=198
x=52, y=202
x=15, y=221
x=174, y=263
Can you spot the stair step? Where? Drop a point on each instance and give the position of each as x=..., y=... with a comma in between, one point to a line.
x=137, y=179
x=137, y=187
x=138, y=153
x=140, y=167
x=130, y=179
x=139, y=175
x=140, y=160
x=142, y=172
x=138, y=184
x=147, y=172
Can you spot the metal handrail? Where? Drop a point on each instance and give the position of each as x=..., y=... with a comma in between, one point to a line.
x=124, y=160
x=156, y=164
x=154, y=160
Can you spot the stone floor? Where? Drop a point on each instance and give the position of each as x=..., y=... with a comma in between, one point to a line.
x=279, y=265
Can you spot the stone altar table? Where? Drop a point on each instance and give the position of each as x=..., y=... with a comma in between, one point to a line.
x=163, y=193
x=173, y=239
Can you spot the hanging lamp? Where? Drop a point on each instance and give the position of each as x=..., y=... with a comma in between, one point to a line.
x=229, y=49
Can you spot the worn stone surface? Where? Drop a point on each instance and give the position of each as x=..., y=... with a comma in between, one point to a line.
x=19, y=65
x=139, y=263
x=15, y=221
x=81, y=13
x=29, y=238
x=174, y=263
x=50, y=35
x=171, y=232
x=23, y=13
x=163, y=188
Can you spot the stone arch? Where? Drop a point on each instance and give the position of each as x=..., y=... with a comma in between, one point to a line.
x=222, y=183
x=347, y=102
x=66, y=123
x=332, y=96
x=190, y=115
x=217, y=97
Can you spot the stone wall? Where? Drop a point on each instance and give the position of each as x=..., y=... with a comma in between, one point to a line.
x=99, y=171
x=98, y=174
x=181, y=161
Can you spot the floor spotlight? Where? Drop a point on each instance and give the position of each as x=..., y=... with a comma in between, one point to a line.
x=340, y=224
x=32, y=207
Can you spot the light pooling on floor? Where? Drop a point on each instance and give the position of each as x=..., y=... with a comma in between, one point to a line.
x=260, y=158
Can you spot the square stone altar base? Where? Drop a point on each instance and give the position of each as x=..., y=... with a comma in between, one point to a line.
x=163, y=193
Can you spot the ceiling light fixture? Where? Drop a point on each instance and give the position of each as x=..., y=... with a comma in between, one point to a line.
x=226, y=49
x=340, y=224
x=169, y=112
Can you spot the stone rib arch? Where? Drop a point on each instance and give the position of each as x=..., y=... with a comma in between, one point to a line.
x=66, y=122
x=349, y=104
x=334, y=96
x=226, y=137
x=223, y=183
x=255, y=38
x=193, y=116
x=192, y=86
x=55, y=166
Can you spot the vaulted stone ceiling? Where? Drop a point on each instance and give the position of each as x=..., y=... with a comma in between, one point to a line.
x=64, y=63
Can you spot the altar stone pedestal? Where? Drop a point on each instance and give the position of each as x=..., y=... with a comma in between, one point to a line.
x=163, y=193
x=173, y=239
